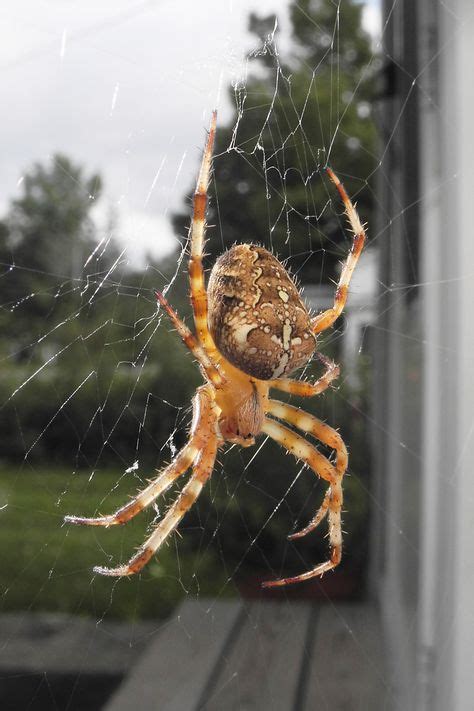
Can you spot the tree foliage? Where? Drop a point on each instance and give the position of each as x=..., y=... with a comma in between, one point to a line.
x=294, y=114
x=45, y=242
x=75, y=356
x=50, y=223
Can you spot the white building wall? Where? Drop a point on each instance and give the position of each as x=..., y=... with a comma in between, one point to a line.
x=447, y=583
x=399, y=362
x=424, y=570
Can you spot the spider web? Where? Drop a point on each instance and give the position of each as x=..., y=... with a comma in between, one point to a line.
x=147, y=149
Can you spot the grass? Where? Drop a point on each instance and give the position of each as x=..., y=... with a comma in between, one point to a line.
x=48, y=566
x=237, y=530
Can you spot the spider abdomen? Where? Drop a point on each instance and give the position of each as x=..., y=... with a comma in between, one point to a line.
x=256, y=316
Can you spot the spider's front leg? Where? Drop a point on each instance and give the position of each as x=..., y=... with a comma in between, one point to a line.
x=208, y=366
x=298, y=446
x=199, y=452
x=325, y=434
x=202, y=469
x=148, y=495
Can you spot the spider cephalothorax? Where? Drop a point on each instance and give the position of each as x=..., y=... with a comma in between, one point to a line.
x=253, y=330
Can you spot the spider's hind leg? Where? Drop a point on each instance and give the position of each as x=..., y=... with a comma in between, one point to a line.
x=209, y=367
x=197, y=232
x=325, y=319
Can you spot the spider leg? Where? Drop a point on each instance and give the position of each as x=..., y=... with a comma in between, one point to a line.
x=325, y=319
x=191, y=342
x=327, y=435
x=305, y=389
x=144, y=498
x=202, y=415
x=196, y=234
x=301, y=449
x=202, y=469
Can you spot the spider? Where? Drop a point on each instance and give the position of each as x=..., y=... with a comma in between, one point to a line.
x=252, y=331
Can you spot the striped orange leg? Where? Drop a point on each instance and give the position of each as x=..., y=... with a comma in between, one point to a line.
x=201, y=439
x=305, y=389
x=301, y=449
x=202, y=469
x=196, y=234
x=199, y=353
x=327, y=435
x=328, y=317
x=147, y=496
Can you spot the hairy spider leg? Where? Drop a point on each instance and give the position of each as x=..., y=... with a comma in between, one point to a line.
x=191, y=342
x=325, y=319
x=301, y=449
x=144, y=498
x=196, y=234
x=202, y=469
x=305, y=389
x=180, y=464
x=327, y=435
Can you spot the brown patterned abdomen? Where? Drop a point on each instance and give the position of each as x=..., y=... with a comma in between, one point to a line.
x=256, y=315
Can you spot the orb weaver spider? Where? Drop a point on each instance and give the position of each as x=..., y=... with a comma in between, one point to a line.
x=252, y=331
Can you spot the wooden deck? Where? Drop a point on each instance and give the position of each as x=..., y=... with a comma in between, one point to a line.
x=228, y=655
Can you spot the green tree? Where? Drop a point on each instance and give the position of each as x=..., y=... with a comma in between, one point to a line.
x=50, y=225
x=45, y=241
x=79, y=360
x=296, y=114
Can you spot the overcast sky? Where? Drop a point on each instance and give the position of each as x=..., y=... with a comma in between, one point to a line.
x=124, y=88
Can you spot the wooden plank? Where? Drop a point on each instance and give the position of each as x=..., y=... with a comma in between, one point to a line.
x=347, y=671
x=69, y=644
x=173, y=672
x=262, y=668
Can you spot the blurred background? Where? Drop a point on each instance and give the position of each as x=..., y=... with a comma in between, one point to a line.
x=106, y=116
